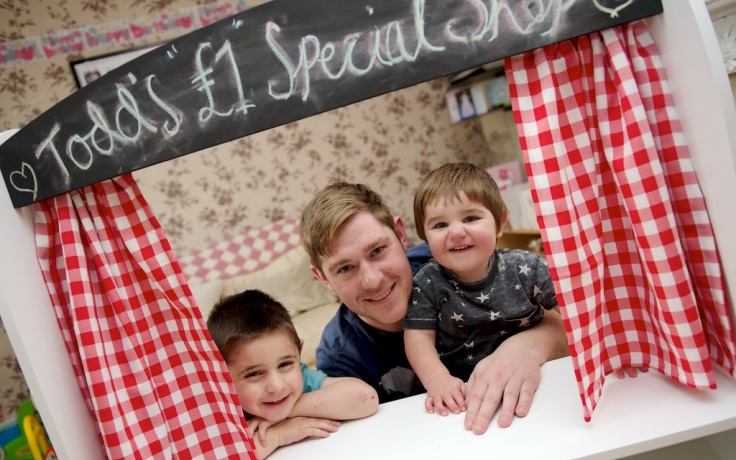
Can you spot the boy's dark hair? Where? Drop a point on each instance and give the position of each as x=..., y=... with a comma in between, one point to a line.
x=238, y=318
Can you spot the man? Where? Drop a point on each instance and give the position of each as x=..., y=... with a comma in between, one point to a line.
x=358, y=249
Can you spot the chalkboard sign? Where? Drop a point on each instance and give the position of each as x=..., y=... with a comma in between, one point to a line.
x=273, y=64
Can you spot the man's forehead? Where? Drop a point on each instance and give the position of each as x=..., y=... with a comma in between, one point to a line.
x=361, y=226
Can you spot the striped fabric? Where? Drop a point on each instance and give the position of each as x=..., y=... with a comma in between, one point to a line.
x=148, y=369
x=624, y=223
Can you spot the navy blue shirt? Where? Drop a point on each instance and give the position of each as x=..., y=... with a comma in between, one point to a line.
x=351, y=348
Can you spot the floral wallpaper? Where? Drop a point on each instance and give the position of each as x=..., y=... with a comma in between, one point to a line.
x=390, y=143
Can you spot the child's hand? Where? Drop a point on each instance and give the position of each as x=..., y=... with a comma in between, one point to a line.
x=446, y=391
x=260, y=426
x=295, y=429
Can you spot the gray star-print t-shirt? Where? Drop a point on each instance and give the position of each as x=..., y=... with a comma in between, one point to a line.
x=472, y=319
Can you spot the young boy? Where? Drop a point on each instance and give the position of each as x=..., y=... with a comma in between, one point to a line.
x=283, y=400
x=470, y=296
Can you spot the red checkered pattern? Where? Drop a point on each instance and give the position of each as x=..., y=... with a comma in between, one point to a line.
x=241, y=254
x=148, y=369
x=624, y=223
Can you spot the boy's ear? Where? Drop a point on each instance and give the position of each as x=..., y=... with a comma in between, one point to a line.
x=504, y=220
x=301, y=346
x=400, y=230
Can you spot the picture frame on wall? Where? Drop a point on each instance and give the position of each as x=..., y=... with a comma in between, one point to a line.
x=88, y=70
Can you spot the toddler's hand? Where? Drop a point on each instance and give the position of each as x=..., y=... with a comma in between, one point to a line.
x=443, y=393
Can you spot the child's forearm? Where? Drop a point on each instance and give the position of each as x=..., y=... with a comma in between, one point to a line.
x=272, y=443
x=423, y=356
x=343, y=398
x=289, y=431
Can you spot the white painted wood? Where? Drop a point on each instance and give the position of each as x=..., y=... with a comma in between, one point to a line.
x=634, y=416
x=34, y=334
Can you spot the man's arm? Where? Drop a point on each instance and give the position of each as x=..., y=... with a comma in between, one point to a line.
x=510, y=375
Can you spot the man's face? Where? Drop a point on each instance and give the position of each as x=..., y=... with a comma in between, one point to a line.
x=368, y=269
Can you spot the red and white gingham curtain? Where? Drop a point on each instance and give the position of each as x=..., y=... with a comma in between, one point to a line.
x=149, y=371
x=623, y=220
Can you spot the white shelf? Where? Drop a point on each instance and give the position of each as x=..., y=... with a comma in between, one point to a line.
x=633, y=416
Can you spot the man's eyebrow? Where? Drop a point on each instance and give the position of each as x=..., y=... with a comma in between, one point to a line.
x=331, y=268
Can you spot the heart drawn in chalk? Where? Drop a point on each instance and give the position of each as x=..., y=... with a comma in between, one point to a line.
x=25, y=180
x=612, y=11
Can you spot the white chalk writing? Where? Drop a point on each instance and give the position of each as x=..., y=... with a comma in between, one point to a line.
x=378, y=46
x=146, y=110
x=204, y=78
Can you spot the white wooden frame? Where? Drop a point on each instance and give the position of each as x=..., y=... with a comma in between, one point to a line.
x=689, y=47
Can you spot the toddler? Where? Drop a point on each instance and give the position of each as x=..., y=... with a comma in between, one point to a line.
x=470, y=296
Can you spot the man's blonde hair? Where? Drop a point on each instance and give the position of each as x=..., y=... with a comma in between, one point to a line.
x=446, y=182
x=330, y=208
